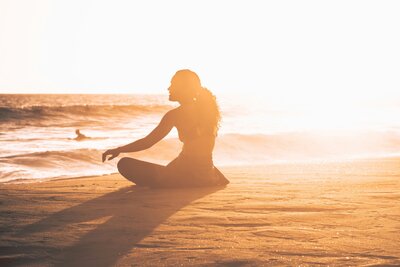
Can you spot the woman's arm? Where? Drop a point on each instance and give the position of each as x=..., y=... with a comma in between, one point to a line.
x=162, y=129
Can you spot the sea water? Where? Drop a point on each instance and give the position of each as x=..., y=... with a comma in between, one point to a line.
x=37, y=133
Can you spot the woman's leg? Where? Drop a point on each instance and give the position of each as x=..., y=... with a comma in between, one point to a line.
x=140, y=172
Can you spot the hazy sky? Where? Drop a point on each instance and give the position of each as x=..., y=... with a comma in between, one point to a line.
x=298, y=49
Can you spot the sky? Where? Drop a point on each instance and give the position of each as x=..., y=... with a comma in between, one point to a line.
x=309, y=51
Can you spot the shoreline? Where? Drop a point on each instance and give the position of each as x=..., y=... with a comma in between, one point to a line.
x=286, y=214
x=231, y=167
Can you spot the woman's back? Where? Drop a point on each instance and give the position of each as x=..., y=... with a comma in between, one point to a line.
x=198, y=141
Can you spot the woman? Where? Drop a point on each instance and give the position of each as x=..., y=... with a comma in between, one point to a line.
x=197, y=121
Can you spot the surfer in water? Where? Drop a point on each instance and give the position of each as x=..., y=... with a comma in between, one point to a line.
x=79, y=135
x=197, y=121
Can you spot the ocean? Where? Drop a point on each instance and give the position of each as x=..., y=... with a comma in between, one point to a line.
x=37, y=133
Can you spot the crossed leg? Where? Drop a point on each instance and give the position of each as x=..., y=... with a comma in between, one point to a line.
x=140, y=172
x=144, y=173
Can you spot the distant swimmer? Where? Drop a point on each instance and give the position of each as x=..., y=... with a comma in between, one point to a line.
x=197, y=121
x=79, y=135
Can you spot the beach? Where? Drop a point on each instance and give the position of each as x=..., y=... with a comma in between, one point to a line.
x=326, y=213
x=296, y=103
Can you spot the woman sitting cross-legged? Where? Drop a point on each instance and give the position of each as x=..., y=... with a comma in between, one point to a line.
x=197, y=121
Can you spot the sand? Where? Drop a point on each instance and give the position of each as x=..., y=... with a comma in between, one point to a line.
x=272, y=215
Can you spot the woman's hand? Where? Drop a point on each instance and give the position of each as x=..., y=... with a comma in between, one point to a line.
x=113, y=152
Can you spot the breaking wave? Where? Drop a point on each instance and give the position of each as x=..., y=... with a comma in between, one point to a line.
x=9, y=114
x=231, y=149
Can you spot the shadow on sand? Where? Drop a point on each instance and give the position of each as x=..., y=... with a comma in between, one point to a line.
x=129, y=215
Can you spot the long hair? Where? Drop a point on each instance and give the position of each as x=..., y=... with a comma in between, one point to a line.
x=207, y=115
x=207, y=111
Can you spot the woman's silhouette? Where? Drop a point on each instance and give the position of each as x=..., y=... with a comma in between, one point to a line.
x=197, y=121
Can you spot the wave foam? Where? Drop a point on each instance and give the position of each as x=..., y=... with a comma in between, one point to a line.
x=49, y=112
x=231, y=149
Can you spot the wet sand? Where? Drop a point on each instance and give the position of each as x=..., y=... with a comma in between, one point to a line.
x=283, y=214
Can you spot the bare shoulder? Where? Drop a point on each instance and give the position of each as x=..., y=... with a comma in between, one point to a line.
x=172, y=115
